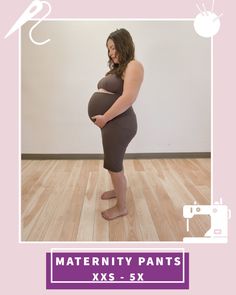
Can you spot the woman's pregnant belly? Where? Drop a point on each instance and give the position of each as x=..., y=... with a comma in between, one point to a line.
x=100, y=102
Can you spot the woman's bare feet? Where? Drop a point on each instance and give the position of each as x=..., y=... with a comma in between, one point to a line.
x=114, y=212
x=108, y=195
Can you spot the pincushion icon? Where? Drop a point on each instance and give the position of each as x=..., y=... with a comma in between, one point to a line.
x=207, y=23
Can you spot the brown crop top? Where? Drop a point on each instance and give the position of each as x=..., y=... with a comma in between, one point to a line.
x=111, y=83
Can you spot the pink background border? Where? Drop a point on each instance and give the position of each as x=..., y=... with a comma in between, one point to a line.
x=23, y=265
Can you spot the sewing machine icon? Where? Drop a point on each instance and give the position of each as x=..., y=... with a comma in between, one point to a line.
x=219, y=214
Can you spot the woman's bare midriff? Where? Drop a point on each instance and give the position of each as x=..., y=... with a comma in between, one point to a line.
x=104, y=90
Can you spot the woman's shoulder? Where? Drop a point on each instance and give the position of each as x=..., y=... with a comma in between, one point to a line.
x=134, y=67
x=134, y=63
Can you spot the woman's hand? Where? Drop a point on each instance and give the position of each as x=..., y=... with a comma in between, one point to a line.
x=100, y=120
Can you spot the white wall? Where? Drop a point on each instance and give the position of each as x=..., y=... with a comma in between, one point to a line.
x=173, y=106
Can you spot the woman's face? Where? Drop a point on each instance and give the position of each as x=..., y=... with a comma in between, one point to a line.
x=112, y=51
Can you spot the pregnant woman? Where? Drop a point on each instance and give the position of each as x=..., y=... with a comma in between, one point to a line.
x=110, y=108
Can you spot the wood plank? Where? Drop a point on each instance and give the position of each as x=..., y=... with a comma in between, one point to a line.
x=61, y=200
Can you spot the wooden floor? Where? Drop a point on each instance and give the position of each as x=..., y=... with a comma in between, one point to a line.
x=60, y=200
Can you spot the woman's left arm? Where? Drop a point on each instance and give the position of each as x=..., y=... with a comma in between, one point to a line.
x=132, y=82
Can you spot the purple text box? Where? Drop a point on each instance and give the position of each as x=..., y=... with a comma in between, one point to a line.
x=117, y=270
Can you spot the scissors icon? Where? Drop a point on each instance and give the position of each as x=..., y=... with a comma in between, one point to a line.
x=34, y=8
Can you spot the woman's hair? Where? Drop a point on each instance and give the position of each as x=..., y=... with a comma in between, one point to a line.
x=125, y=48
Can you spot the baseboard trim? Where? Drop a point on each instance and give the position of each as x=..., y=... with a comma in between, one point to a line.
x=127, y=156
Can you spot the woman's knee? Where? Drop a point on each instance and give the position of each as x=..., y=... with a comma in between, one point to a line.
x=115, y=172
